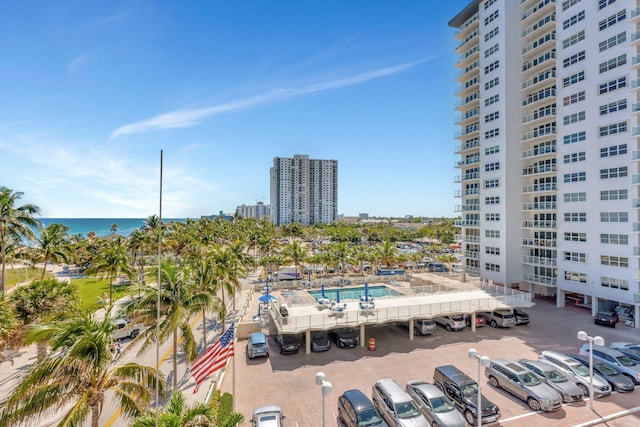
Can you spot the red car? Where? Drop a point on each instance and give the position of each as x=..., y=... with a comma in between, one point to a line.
x=480, y=320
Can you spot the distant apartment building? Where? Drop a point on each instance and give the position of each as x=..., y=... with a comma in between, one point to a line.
x=548, y=143
x=259, y=210
x=304, y=190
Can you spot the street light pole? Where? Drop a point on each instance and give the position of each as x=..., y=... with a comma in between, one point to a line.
x=597, y=340
x=326, y=389
x=482, y=361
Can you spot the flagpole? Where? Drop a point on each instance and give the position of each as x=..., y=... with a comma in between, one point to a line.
x=158, y=301
x=233, y=379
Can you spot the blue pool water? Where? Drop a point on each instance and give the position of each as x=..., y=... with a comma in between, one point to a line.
x=354, y=293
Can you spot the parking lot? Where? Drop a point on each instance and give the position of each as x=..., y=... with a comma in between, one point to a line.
x=289, y=380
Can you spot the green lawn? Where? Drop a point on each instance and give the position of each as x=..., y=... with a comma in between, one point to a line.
x=16, y=275
x=90, y=290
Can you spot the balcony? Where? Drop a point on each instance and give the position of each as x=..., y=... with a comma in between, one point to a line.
x=544, y=76
x=545, y=24
x=535, y=260
x=471, y=37
x=635, y=203
x=635, y=60
x=540, y=188
x=634, y=14
x=471, y=239
x=534, y=170
x=467, y=223
x=635, y=178
x=537, y=8
x=635, y=155
x=474, y=271
x=634, y=38
x=539, y=151
x=636, y=227
x=543, y=243
x=543, y=131
x=635, y=131
x=636, y=250
x=539, y=206
x=472, y=254
x=544, y=113
x=549, y=224
x=538, y=279
x=466, y=28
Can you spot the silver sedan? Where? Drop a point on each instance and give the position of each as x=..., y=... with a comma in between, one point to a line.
x=548, y=373
x=437, y=407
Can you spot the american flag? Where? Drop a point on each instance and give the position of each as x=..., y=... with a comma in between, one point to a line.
x=214, y=358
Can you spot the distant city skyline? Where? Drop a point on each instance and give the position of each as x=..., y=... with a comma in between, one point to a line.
x=96, y=90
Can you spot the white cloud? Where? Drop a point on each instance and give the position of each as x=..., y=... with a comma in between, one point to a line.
x=191, y=117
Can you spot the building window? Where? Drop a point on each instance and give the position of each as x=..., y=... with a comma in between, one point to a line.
x=491, y=17
x=492, y=100
x=575, y=237
x=492, y=167
x=492, y=217
x=492, y=267
x=573, y=276
x=574, y=118
x=614, y=150
x=609, y=282
x=613, y=172
x=604, y=3
x=575, y=177
x=566, y=4
x=491, y=83
x=575, y=157
x=492, y=150
x=613, y=85
x=493, y=116
x=614, y=261
x=494, y=234
x=622, y=194
x=493, y=49
x=614, y=239
x=491, y=133
x=493, y=66
x=575, y=256
x=613, y=19
x=614, y=216
x=613, y=129
x=488, y=4
x=572, y=99
x=573, y=20
x=612, y=41
x=570, y=41
x=492, y=250
x=613, y=63
x=492, y=183
x=574, y=59
x=575, y=216
x=580, y=196
x=573, y=79
x=574, y=137
x=612, y=107
x=494, y=200
x=491, y=34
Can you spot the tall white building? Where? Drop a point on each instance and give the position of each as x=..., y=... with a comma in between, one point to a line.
x=548, y=110
x=304, y=190
x=259, y=210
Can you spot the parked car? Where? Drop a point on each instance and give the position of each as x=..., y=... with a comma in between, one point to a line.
x=522, y=317
x=424, y=326
x=606, y=318
x=126, y=329
x=288, y=343
x=451, y=323
x=320, y=341
x=501, y=317
x=630, y=349
x=548, y=373
x=463, y=392
x=345, y=337
x=268, y=416
x=257, y=345
x=625, y=310
x=480, y=320
x=396, y=406
x=618, y=381
x=436, y=267
x=439, y=410
x=355, y=409
x=620, y=361
x=577, y=372
x=522, y=383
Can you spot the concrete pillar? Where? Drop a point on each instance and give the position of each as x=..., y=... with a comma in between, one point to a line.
x=560, y=298
x=473, y=321
x=307, y=341
x=594, y=305
x=636, y=316
x=362, y=336
x=411, y=329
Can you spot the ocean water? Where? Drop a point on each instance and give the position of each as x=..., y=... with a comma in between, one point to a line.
x=101, y=226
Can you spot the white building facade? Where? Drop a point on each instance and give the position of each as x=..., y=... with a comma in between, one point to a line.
x=549, y=154
x=259, y=210
x=304, y=190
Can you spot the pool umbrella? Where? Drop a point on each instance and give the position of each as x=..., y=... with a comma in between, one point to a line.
x=338, y=295
x=322, y=287
x=267, y=298
x=366, y=291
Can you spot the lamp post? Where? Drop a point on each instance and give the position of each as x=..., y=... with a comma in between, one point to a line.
x=598, y=340
x=482, y=361
x=326, y=389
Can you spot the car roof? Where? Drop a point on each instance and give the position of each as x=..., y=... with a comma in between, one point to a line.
x=455, y=374
x=358, y=399
x=610, y=351
x=428, y=389
x=518, y=369
x=266, y=409
x=541, y=364
x=558, y=355
x=257, y=337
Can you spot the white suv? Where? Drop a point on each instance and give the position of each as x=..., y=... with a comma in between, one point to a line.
x=126, y=329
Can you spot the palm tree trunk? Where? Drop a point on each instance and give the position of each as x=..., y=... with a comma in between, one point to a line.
x=95, y=415
x=44, y=269
x=110, y=290
x=175, y=359
x=4, y=265
x=41, y=350
x=204, y=329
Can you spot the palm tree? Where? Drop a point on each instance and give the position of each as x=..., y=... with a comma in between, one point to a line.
x=448, y=259
x=204, y=276
x=8, y=323
x=179, y=299
x=387, y=253
x=227, y=272
x=16, y=223
x=78, y=375
x=112, y=261
x=295, y=253
x=177, y=414
x=52, y=245
x=39, y=300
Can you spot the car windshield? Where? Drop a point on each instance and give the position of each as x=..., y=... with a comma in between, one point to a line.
x=441, y=404
x=555, y=376
x=529, y=379
x=626, y=361
x=580, y=370
x=369, y=417
x=457, y=318
x=470, y=390
x=407, y=410
x=604, y=369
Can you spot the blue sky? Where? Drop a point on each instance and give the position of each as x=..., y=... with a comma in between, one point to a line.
x=92, y=90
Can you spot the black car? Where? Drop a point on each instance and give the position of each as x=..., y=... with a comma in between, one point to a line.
x=320, y=341
x=355, y=409
x=345, y=337
x=619, y=382
x=522, y=317
x=288, y=343
x=606, y=318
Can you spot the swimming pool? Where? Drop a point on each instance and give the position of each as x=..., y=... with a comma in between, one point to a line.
x=354, y=293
